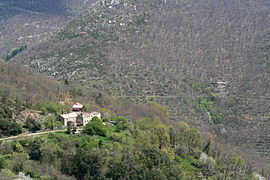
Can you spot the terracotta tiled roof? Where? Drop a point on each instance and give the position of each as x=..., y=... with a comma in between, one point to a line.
x=77, y=105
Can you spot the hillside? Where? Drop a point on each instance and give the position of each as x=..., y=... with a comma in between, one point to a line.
x=137, y=145
x=25, y=93
x=24, y=22
x=26, y=86
x=206, y=61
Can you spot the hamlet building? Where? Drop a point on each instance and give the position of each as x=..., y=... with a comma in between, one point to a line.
x=77, y=117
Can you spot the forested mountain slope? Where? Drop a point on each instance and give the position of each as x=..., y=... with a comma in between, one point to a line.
x=207, y=61
x=24, y=22
x=137, y=146
x=26, y=86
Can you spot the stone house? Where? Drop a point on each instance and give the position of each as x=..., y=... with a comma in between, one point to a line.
x=77, y=117
x=69, y=119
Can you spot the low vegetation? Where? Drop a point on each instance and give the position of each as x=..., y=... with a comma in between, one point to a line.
x=15, y=52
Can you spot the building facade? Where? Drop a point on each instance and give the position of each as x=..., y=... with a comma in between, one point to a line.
x=77, y=117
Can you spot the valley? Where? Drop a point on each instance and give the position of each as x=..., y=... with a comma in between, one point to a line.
x=205, y=62
x=169, y=49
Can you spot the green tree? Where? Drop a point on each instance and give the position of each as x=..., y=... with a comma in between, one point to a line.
x=155, y=160
x=18, y=162
x=9, y=127
x=157, y=132
x=177, y=133
x=51, y=123
x=50, y=152
x=15, y=52
x=2, y=163
x=172, y=134
x=207, y=165
x=152, y=157
x=5, y=112
x=32, y=125
x=122, y=123
x=44, y=110
x=193, y=138
x=95, y=127
x=34, y=149
x=161, y=136
x=232, y=164
x=88, y=164
x=207, y=147
x=69, y=129
x=52, y=107
x=142, y=138
x=236, y=164
x=17, y=147
x=118, y=169
x=80, y=91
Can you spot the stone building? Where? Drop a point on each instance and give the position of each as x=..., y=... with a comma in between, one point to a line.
x=77, y=117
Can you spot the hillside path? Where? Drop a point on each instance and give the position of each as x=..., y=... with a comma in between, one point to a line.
x=29, y=135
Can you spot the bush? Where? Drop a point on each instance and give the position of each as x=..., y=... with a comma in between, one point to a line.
x=2, y=163
x=32, y=125
x=116, y=138
x=207, y=164
x=80, y=91
x=34, y=149
x=122, y=123
x=15, y=52
x=69, y=130
x=205, y=105
x=218, y=119
x=5, y=112
x=9, y=127
x=52, y=107
x=31, y=173
x=44, y=111
x=95, y=127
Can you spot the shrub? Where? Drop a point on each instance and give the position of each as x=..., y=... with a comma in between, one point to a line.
x=218, y=119
x=122, y=123
x=9, y=127
x=5, y=112
x=69, y=130
x=15, y=52
x=52, y=107
x=32, y=125
x=95, y=127
x=44, y=111
x=80, y=91
x=116, y=138
x=207, y=164
x=2, y=163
